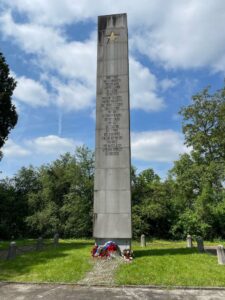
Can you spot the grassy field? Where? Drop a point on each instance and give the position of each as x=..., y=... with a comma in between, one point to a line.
x=67, y=263
x=171, y=264
x=160, y=263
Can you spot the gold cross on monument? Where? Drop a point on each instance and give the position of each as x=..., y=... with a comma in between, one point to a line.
x=112, y=37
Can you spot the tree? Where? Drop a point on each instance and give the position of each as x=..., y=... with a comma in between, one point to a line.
x=204, y=125
x=141, y=184
x=151, y=209
x=8, y=115
x=14, y=208
x=199, y=176
x=8, y=209
x=64, y=199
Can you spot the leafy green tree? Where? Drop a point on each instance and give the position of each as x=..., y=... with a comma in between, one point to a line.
x=140, y=187
x=204, y=125
x=13, y=210
x=8, y=115
x=151, y=210
x=141, y=184
x=14, y=206
x=77, y=210
x=186, y=175
x=25, y=182
x=8, y=214
x=64, y=200
x=196, y=197
x=199, y=176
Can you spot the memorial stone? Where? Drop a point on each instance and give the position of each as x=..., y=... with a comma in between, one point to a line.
x=56, y=240
x=12, y=250
x=200, y=244
x=112, y=188
x=189, y=241
x=220, y=255
x=143, y=241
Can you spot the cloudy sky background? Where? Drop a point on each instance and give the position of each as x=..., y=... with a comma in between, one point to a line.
x=177, y=48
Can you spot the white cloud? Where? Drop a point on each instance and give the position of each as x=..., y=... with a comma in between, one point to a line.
x=51, y=144
x=188, y=35
x=168, y=83
x=11, y=149
x=76, y=60
x=159, y=145
x=70, y=59
x=57, y=13
x=53, y=12
x=179, y=34
x=176, y=34
x=143, y=86
x=73, y=95
x=43, y=147
x=74, y=63
x=31, y=92
x=61, y=12
x=31, y=37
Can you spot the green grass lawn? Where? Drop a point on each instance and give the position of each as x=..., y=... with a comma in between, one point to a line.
x=171, y=264
x=67, y=263
x=160, y=263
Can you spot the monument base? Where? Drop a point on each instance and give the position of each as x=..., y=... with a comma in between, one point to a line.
x=122, y=243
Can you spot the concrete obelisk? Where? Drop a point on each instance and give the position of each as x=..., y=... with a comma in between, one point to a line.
x=112, y=187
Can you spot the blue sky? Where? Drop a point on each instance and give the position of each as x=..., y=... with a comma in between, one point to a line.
x=176, y=49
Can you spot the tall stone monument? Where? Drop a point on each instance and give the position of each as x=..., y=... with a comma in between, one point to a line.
x=112, y=187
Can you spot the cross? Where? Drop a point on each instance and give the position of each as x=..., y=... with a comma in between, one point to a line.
x=112, y=37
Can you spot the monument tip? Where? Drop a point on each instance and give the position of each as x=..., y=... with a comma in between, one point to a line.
x=114, y=20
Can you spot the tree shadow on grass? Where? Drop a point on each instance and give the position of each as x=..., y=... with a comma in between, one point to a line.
x=23, y=264
x=47, y=244
x=162, y=252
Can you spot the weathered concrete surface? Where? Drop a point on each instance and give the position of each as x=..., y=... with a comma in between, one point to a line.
x=60, y=292
x=112, y=187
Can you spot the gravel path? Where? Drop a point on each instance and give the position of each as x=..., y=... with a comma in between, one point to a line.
x=103, y=272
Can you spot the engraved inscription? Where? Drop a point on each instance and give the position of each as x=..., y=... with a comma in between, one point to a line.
x=110, y=110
